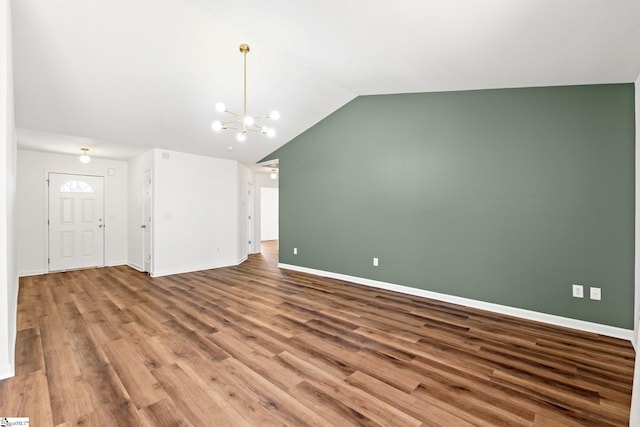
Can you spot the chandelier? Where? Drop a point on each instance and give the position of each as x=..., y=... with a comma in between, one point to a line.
x=244, y=123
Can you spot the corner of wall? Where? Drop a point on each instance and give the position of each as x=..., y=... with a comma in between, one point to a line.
x=8, y=265
x=636, y=312
x=634, y=416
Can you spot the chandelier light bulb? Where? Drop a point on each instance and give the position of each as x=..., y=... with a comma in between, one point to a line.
x=241, y=137
x=216, y=126
x=248, y=121
x=271, y=132
x=274, y=115
x=220, y=107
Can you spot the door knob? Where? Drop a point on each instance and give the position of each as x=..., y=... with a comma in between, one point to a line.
x=143, y=226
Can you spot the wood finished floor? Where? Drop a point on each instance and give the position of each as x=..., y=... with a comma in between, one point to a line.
x=256, y=346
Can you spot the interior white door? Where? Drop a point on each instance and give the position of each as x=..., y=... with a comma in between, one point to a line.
x=146, y=222
x=76, y=221
x=250, y=244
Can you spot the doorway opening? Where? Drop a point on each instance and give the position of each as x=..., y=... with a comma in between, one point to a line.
x=269, y=214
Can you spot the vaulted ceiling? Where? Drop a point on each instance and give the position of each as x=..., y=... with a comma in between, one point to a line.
x=123, y=76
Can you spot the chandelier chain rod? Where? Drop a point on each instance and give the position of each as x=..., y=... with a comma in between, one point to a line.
x=244, y=114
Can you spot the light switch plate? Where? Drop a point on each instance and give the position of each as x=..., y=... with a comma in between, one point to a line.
x=578, y=291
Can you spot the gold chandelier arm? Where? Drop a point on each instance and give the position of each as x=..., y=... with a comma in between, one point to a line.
x=231, y=122
x=266, y=116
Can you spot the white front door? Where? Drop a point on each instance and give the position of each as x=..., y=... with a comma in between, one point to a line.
x=76, y=221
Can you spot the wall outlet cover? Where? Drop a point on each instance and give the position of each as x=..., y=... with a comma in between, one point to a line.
x=578, y=291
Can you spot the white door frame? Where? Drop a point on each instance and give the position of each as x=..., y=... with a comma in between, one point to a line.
x=46, y=214
x=250, y=215
x=147, y=222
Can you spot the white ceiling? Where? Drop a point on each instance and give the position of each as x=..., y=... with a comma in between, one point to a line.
x=123, y=76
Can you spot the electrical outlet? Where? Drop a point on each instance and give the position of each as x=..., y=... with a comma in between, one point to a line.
x=578, y=291
x=595, y=294
x=295, y=251
x=375, y=262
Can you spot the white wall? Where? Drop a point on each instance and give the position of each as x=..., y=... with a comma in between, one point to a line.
x=33, y=170
x=195, y=208
x=137, y=167
x=8, y=269
x=269, y=213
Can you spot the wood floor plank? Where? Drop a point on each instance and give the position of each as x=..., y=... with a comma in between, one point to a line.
x=133, y=370
x=68, y=391
x=493, y=393
x=258, y=361
x=29, y=356
x=27, y=395
x=280, y=407
x=433, y=416
x=333, y=410
x=357, y=399
x=163, y=414
x=191, y=399
x=254, y=345
x=53, y=334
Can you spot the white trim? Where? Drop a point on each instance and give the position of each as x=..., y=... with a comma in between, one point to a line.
x=116, y=263
x=190, y=269
x=39, y=272
x=6, y=372
x=597, y=328
x=9, y=370
x=243, y=259
x=135, y=267
x=30, y=273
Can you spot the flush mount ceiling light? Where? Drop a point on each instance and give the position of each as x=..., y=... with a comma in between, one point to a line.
x=84, y=157
x=244, y=123
x=274, y=174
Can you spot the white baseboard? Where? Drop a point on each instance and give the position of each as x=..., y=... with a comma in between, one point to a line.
x=116, y=263
x=6, y=372
x=39, y=272
x=597, y=328
x=243, y=259
x=135, y=267
x=30, y=273
x=190, y=269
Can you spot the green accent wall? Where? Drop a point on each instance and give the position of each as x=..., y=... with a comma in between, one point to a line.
x=506, y=196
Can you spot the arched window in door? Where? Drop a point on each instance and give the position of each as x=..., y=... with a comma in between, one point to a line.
x=76, y=186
